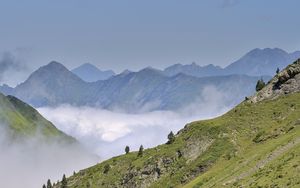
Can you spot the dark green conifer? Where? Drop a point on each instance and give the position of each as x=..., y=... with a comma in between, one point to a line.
x=49, y=184
x=127, y=149
x=64, y=182
x=171, y=138
x=141, y=150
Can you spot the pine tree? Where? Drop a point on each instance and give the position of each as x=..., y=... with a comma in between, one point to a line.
x=64, y=182
x=127, y=149
x=140, y=153
x=277, y=71
x=49, y=184
x=171, y=138
x=44, y=186
x=260, y=84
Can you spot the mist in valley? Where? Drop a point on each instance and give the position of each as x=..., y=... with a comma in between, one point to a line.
x=31, y=162
x=108, y=132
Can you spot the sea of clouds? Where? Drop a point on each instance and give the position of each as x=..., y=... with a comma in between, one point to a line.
x=107, y=132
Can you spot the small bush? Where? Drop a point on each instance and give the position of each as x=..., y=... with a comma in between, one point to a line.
x=260, y=84
x=106, y=168
x=259, y=137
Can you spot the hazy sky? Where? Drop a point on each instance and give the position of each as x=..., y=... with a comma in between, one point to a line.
x=120, y=34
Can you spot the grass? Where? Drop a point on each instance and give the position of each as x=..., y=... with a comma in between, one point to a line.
x=21, y=121
x=212, y=153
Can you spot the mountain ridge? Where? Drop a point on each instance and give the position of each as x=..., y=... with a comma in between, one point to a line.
x=257, y=62
x=148, y=89
x=21, y=119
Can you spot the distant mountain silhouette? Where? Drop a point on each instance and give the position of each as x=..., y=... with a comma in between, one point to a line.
x=91, y=73
x=257, y=62
x=145, y=90
x=194, y=70
x=262, y=62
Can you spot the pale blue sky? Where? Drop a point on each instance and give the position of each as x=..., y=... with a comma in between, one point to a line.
x=121, y=34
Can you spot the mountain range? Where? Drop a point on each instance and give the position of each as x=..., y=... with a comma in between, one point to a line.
x=145, y=90
x=175, y=87
x=256, y=144
x=257, y=62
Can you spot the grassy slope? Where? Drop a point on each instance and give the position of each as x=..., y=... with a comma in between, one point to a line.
x=21, y=119
x=214, y=153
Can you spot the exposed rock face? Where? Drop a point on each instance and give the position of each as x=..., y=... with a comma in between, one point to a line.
x=153, y=171
x=150, y=173
x=285, y=82
x=195, y=148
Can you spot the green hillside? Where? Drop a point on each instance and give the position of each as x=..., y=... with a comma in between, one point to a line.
x=256, y=144
x=21, y=120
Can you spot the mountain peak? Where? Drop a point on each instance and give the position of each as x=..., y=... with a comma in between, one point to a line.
x=125, y=72
x=285, y=82
x=260, y=62
x=258, y=51
x=90, y=73
x=87, y=66
x=150, y=70
x=55, y=64
x=52, y=67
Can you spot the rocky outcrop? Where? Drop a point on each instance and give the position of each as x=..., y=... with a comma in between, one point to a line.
x=194, y=148
x=153, y=171
x=285, y=82
x=145, y=176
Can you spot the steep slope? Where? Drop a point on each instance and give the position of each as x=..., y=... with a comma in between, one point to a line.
x=256, y=144
x=287, y=81
x=146, y=90
x=90, y=73
x=21, y=120
x=33, y=149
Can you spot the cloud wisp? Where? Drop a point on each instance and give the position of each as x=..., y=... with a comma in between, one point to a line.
x=13, y=63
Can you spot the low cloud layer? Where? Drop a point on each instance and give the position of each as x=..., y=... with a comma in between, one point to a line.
x=102, y=131
x=107, y=132
x=32, y=162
